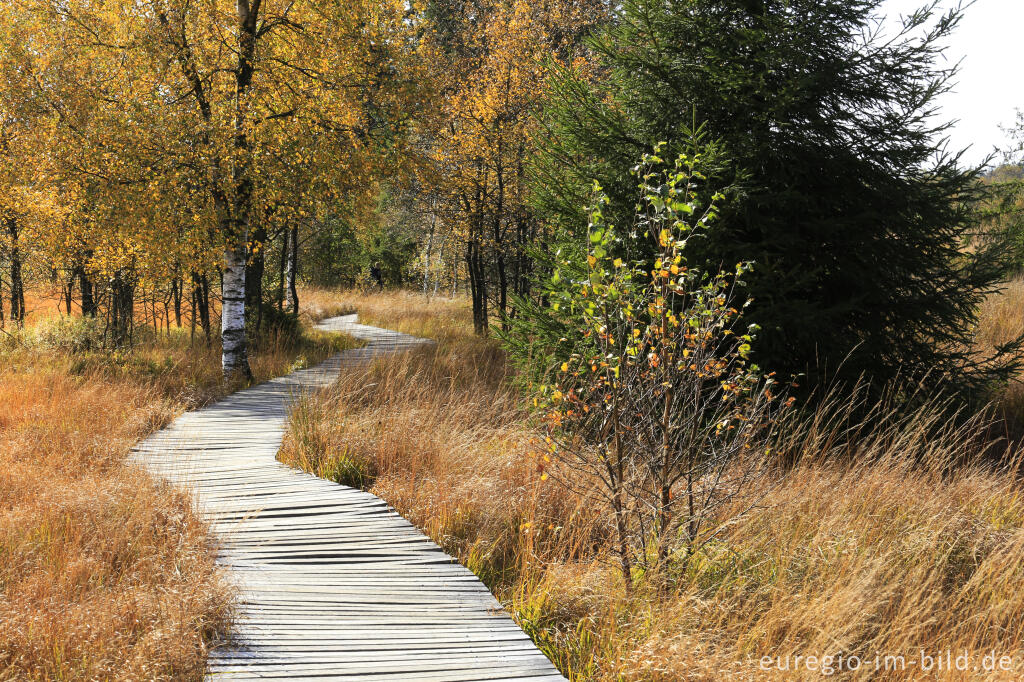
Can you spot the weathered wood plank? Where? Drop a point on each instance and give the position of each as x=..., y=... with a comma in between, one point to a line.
x=332, y=583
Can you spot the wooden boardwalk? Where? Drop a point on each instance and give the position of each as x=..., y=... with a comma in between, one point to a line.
x=332, y=583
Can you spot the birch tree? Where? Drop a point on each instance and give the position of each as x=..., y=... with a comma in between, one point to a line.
x=495, y=58
x=216, y=123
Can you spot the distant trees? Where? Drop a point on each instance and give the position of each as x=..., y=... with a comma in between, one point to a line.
x=28, y=205
x=492, y=60
x=387, y=232
x=1003, y=208
x=853, y=214
x=200, y=151
x=165, y=157
x=188, y=143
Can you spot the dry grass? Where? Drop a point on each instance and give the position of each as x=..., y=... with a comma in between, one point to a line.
x=440, y=318
x=316, y=304
x=1001, y=320
x=105, y=573
x=1001, y=317
x=891, y=552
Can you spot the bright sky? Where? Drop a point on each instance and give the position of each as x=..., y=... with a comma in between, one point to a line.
x=990, y=85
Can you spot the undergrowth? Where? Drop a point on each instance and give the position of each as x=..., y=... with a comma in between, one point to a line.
x=106, y=574
x=880, y=535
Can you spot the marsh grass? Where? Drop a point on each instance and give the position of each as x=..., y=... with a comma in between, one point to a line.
x=1001, y=320
x=877, y=533
x=106, y=574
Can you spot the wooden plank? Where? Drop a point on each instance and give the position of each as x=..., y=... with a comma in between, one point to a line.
x=332, y=582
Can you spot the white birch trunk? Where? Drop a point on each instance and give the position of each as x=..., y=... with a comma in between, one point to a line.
x=291, y=270
x=235, y=357
x=426, y=265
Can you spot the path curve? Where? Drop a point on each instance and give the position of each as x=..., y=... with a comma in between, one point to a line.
x=332, y=583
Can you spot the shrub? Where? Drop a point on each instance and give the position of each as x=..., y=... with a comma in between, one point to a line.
x=659, y=406
x=70, y=335
x=274, y=325
x=848, y=201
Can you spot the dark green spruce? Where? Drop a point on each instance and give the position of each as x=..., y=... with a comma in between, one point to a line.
x=842, y=192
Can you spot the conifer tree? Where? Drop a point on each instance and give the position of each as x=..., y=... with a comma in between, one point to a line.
x=845, y=199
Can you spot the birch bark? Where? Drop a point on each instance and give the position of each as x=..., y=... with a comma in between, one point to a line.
x=292, y=271
x=234, y=356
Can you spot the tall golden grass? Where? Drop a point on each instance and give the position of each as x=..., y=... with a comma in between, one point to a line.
x=913, y=544
x=440, y=318
x=106, y=574
x=1001, y=320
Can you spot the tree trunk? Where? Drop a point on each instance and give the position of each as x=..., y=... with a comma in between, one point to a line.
x=89, y=307
x=440, y=260
x=282, y=268
x=68, y=290
x=255, y=266
x=499, y=241
x=201, y=302
x=17, y=286
x=477, y=286
x=502, y=292
x=234, y=356
x=122, y=310
x=481, y=278
x=176, y=292
x=472, y=282
x=292, y=272
x=430, y=246
x=167, y=308
x=152, y=307
x=233, y=201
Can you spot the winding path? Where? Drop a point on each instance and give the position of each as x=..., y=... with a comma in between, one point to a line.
x=332, y=583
